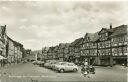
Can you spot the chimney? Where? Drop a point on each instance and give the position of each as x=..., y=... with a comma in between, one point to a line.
x=111, y=26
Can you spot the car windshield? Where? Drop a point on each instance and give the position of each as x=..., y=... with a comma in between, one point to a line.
x=61, y=63
x=71, y=64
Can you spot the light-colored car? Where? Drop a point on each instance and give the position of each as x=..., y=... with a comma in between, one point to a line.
x=49, y=63
x=51, y=66
x=64, y=67
x=34, y=62
x=38, y=62
x=55, y=66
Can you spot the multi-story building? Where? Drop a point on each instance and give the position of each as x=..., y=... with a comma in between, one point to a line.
x=108, y=46
x=89, y=47
x=77, y=47
x=119, y=44
x=114, y=44
x=50, y=53
x=11, y=50
x=18, y=51
x=55, y=55
x=71, y=56
x=15, y=51
x=29, y=55
x=3, y=41
x=61, y=51
x=66, y=51
x=45, y=52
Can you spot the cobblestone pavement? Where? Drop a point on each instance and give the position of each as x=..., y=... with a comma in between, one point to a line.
x=33, y=73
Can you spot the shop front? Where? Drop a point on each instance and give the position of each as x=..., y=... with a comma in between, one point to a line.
x=105, y=60
x=120, y=60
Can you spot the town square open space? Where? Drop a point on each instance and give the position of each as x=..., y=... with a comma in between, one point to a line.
x=30, y=73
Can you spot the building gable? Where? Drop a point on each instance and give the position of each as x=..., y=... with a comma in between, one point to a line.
x=103, y=30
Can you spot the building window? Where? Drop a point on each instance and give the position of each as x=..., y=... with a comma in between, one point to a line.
x=112, y=39
x=106, y=34
x=100, y=36
x=125, y=49
x=120, y=50
x=115, y=54
x=87, y=44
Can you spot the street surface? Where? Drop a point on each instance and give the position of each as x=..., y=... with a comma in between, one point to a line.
x=33, y=73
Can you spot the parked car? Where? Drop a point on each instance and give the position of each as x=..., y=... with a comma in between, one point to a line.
x=49, y=63
x=24, y=61
x=34, y=62
x=41, y=63
x=53, y=65
x=65, y=67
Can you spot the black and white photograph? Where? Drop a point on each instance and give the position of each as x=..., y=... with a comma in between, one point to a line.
x=63, y=41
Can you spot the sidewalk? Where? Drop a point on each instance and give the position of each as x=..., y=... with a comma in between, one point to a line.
x=120, y=67
x=114, y=67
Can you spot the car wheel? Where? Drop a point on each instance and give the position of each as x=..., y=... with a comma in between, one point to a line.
x=61, y=70
x=75, y=70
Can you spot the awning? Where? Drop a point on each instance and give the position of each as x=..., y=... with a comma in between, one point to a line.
x=1, y=57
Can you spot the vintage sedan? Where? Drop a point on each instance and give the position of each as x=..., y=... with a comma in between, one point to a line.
x=40, y=63
x=49, y=63
x=52, y=65
x=65, y=67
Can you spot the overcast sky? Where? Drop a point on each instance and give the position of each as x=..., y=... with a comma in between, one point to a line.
x=40, y=24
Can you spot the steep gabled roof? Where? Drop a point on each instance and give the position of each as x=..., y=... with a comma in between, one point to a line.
x=15, y=42
x=92, y=36
x=106, y=29
x=95, y=36
x=61, y=45
x=122, y=29
x=77, y=42
x=67, y=44
x=10, y=39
